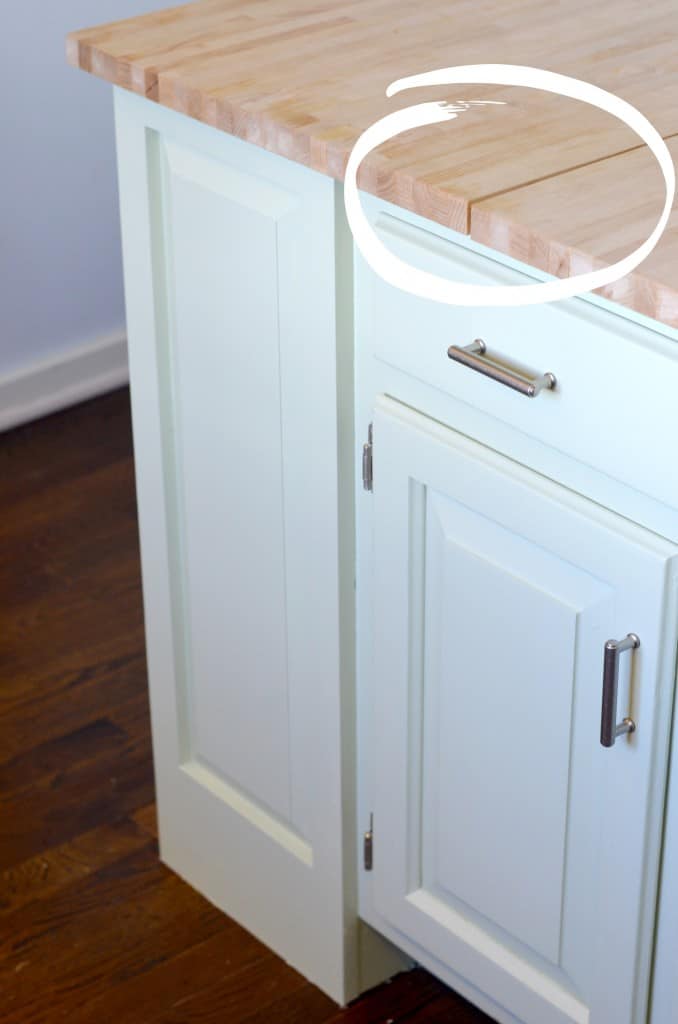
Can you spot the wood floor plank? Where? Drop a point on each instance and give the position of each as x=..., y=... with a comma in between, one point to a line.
x=51, y=870
x=147, y=819
x=132, y=717
x=263, y=983
x=79, y=526
x=42, y=764
x=71, y=697
x=305, y=1005
x=66, y=445
x=167, y=986
x=104, y=608
x=118, y=924
x=81, y=797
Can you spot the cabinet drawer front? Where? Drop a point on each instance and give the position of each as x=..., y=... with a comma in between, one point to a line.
x=617, y=382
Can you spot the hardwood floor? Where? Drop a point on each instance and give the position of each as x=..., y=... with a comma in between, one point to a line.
x=92, y=927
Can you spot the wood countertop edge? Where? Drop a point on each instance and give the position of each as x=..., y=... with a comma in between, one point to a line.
x=636, y=292
x=303, y=145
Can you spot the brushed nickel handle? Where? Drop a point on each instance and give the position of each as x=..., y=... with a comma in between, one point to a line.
x=474, y=356
x=609, y=729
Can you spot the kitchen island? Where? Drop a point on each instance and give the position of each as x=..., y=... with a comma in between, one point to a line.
x=379, y=586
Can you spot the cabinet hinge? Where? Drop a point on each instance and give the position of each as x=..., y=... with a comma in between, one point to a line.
x=367, y=460
x=368, y=845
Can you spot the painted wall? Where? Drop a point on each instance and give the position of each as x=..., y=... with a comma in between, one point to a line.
x=60, y=272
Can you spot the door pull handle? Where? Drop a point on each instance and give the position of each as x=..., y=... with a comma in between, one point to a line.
x=474, y=356
x=609, y=727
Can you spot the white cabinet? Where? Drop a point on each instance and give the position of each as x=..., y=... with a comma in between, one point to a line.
x=442, y=671
x=236, y=354
x=508, y=843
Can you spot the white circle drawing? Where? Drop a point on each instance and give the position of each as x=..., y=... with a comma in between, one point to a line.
x=431, y=286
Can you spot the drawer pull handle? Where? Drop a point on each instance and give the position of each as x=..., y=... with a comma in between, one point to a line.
x=474, y=357
x=609, y=729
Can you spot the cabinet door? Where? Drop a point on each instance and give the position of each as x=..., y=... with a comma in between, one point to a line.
x=229, y=269
x=511, y=850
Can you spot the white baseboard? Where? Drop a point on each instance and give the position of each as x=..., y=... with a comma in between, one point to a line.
x=70, y=377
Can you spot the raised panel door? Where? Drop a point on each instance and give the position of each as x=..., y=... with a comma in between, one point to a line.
x=511, y=848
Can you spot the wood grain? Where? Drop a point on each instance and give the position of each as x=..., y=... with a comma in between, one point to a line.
x=92, y=926
x=305, y=79
x=588, y=218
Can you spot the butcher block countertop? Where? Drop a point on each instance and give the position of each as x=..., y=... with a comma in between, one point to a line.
x=555, y=183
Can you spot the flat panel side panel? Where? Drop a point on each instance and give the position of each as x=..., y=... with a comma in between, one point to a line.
x=224, y=355
x=284, y=887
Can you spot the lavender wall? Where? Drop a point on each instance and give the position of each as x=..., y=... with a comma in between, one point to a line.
x=60, y=273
